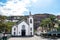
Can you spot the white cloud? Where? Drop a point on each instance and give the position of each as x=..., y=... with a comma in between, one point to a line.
x=16, y=7
x=34, y=1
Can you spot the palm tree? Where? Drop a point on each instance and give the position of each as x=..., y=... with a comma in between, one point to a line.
x=48, y=22
x=53, y=21
x=45, y=23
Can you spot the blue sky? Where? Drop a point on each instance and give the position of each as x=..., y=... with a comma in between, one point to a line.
x=35, y=6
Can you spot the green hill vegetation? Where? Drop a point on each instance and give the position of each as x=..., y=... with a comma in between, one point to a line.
x=46, y=22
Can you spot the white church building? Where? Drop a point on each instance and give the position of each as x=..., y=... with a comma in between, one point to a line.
x=23, y=27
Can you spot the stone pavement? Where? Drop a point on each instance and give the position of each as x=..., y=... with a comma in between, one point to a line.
x=26, y=38
x=30, y=38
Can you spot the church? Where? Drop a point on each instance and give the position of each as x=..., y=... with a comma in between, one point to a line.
x=23, y=27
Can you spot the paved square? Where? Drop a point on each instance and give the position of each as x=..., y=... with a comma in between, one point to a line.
x=30, y=38
x=26, y=38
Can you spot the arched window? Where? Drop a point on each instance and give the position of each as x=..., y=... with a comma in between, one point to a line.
x=23, y=26
x=14, y=33
x=19, y=32
x=31, y=33
x=31, y=29
x=14, y=29
x=30, y=20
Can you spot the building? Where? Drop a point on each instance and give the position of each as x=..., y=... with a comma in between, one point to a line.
x=58, y=18
x=13, y=18
x=23, y=27
x=38, y=18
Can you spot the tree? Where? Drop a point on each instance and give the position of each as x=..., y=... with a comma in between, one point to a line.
x=45, y=23
x=2, y=19
x=2, y=23
x=48, y=22
x=53, y=21
x=9, y=26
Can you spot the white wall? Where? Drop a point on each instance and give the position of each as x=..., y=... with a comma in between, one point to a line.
x=20, y=28
x=27, y=27
x=31, y=25
x=14, y=30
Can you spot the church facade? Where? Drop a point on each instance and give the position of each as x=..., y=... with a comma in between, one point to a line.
x=23, y=27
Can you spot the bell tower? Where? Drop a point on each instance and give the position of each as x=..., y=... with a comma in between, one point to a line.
x=31, y=24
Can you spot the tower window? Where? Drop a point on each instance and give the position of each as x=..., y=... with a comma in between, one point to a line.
x=30, y=20
x=19, y=32
x=31, y=29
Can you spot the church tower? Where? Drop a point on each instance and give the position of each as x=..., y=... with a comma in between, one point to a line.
x=31, y=24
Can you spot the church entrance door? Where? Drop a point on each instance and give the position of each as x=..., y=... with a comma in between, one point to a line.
x=23, y=32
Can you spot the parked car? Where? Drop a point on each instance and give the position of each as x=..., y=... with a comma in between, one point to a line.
x=51, y=34
x=38, y=33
